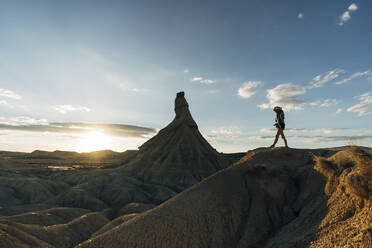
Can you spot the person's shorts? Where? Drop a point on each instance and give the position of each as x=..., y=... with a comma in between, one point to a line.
x=282, y=126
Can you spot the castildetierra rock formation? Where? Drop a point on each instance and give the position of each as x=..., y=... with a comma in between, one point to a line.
x=178, y=156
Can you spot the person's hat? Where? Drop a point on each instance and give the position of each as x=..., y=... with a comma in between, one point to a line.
x=277, y=108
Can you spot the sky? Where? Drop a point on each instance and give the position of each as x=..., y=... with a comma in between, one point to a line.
x=88, y=75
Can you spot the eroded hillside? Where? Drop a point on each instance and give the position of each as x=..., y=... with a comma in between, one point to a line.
x=271, y=198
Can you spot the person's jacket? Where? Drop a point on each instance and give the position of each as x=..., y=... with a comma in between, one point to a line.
x=279, y=120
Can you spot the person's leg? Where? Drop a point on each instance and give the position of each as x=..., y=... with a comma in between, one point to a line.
x=276, y=139
x=283, y=137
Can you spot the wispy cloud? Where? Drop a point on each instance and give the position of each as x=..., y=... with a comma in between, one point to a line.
x=41, y=125
x=125, y=87
x=226, y=131
x=300, y=15
x=22, y=121
x=319, y=138
x=248, y=89
x=202, y=80
x=339, y=111
x=320, y=80
x=325, y=103
x=355, y=75
x=364, y=107
x=9, y=94
x=289, y=95
x=224, y=134
x=309, y=130
x=353, y=7
x=344, y=17
x=186, y=70
x=212, y=91
x=4, y=103
x=64, y=109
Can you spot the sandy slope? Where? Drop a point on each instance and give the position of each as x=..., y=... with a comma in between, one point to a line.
x=272, y=198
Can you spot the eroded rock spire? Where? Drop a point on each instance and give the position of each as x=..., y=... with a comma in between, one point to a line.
x=183, y=115
x=178, y=156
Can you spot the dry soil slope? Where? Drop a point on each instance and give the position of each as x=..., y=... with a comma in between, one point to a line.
x=271, y=198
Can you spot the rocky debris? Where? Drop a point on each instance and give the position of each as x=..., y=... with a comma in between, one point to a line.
x=178, y=156
x=271, y=198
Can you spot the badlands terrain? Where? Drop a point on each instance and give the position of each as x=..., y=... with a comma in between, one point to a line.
x=176, y=190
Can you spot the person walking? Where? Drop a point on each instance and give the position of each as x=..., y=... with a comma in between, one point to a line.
x=280, y=126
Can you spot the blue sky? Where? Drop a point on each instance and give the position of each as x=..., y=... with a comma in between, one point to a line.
x=122, y=62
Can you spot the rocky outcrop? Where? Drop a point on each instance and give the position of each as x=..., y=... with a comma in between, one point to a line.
x=178, y=156
x=271, y=198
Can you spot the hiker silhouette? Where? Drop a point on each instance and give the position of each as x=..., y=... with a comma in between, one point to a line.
x=280, y=126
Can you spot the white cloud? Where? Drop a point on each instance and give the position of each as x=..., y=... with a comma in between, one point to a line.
x=365, y=105
x=22, y=121
x=127, y=88
x=249, y=88
x=320, y=80
x=355, y=75
x=319, y=138
x=285, y=95
x=207, y=81
x=288, y=95
x=196, y=79
x=226, y=131
x=186, y=70
x=353, y=7
x=136, y=90
x=224, y=134
x=300, y=15
x=4, y=103
x=9, y=94
x=308, y=130
x=212, y=91
x=339, y=111
x=346, y=15
x=325, y=103
x=63, y=109
x=201, y=80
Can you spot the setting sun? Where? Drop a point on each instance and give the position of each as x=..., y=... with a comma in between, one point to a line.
x=94, y=141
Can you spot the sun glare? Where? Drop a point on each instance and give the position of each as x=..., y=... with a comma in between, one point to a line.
x=94, y=141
